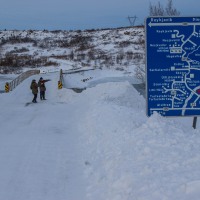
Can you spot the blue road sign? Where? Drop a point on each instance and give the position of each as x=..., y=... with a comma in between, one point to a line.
x=173, y=65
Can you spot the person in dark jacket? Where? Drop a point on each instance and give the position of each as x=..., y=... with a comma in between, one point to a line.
x=34, y=88
x=41, y=85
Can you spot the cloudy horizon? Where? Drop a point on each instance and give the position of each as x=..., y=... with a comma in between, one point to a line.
x=79, y=14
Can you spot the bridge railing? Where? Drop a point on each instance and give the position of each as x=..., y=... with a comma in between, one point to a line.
x=14, y=83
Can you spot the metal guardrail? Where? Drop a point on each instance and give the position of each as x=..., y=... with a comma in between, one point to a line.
x=77, y=71
x=71, y=71
x=14, y=83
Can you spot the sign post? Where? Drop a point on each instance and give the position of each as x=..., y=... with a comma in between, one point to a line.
x=194, y=122
x=173, y=66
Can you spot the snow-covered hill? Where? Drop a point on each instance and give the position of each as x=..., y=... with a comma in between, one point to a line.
x=110, y=48
x=97, y=144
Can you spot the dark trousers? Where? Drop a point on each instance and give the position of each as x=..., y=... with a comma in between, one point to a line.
x=34, y=98
x=42, y=95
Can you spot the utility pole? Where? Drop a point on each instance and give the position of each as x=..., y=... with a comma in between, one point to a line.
x=132, y=20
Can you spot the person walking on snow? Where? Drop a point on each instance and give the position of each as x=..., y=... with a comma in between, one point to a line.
x=41, y=85
x=34, y=88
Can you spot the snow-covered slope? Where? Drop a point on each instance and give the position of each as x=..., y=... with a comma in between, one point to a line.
x=111, y=48
x=97, y=144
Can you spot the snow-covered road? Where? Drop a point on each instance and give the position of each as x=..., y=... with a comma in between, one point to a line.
x=97, y=144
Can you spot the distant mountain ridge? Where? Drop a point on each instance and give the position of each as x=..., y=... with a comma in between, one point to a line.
x=117, y=47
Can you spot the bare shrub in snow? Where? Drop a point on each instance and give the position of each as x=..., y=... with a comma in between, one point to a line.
x=124, y=44
x=159, y=10
x=21, y=50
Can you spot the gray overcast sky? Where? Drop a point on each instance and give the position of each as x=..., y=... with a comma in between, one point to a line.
x=81, y=14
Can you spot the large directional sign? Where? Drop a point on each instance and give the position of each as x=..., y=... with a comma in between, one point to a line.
x=173, y=65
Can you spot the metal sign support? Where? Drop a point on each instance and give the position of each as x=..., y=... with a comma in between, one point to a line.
x=194, y=122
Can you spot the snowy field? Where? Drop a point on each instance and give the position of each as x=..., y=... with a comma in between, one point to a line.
x=94, y=145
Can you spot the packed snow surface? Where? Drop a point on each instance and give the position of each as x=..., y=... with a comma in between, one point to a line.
x=94, y=145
